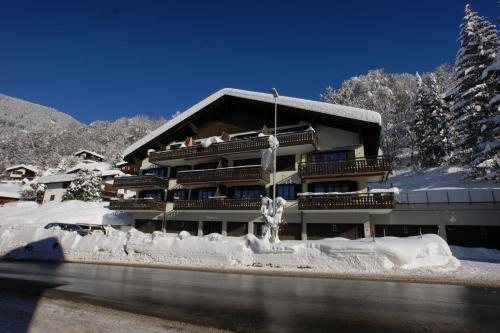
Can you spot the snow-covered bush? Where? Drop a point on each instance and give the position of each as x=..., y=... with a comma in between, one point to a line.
x=85, y=187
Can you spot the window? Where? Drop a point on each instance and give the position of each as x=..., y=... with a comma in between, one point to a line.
x=52, y=197
x=206, y=166
x=331, y=156
x=160, y=172
x=175, y=170
x=248, y=192
x=287, y=191
x=205, y=193
x=180, y=194
x=152, y=195
x=285, y=163
x=333, y=187
x=250, y=161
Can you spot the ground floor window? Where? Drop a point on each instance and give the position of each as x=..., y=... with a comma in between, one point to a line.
x=246, y=192
x=210, y=227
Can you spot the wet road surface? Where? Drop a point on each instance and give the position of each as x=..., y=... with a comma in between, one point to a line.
x=257, y=303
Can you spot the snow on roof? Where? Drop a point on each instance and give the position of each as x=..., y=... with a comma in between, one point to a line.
x=10, y=190
x=121, y=163
x=314, y=106
x=89, y=152
x=114, y=172
x=95, y=166
x=25, y=166
x=57, y=178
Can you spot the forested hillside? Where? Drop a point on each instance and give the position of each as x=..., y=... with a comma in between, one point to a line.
x=35, y=134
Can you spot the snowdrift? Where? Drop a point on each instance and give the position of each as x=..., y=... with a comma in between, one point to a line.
x=214, y=250
x=29, y=213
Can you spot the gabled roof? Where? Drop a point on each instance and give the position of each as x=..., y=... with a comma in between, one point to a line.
x=122, y=163
x=313, y=106
x=19, y=166
x=57, y=178
x=88, y=152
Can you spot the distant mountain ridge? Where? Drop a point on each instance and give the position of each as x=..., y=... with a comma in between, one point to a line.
x=35, y=134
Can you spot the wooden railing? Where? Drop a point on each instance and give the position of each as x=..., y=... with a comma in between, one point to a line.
x=218, y=204
x=348, y=201
x=247, y=173
x=139, y=182
x=234, y=146
x=137, y=205
x=360, y=165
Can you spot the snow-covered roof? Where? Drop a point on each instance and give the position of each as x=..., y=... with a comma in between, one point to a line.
x=94, y=166
x=113, y=172
x=88, y=152
x=314, y=106
x=19, y=166
x=121, y=163
x=57, y=178
x=10, y=190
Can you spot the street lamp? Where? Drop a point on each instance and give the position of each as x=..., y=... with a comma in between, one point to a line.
x=275, y=95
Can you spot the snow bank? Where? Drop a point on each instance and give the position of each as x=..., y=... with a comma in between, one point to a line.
x=29, y=213
x=214, y=250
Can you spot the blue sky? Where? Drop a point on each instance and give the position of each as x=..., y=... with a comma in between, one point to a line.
x=108, y=59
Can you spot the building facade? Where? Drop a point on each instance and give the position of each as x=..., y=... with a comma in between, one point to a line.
x=202, y=171
x=22, y=171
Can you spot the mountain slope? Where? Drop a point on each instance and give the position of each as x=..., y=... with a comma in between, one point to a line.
x=43, y=136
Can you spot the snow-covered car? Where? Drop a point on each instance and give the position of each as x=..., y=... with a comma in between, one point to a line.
x=67, y=227
x=91, y=228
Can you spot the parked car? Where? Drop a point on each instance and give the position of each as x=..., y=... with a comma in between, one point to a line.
x=67, y=227
x=91, y=228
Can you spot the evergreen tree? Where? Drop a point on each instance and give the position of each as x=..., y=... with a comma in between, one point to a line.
x=478, y=41
x=420, y=123
x=85, y=187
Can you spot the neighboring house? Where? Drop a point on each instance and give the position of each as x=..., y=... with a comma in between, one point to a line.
x=128, y=168
x=327, y=156
x=88, y=156
x=9, y=192
x=21, y=171
x=55, y=186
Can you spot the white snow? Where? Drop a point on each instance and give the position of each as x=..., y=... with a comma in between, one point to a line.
x=29, y=213
x=25, y=166
x=88, y=152
x=312, y=106
x=57, y=178
x=440, y=178
x=211, y=140
x=10, y=189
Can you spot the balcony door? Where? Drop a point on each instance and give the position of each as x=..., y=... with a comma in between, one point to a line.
x=325, y=187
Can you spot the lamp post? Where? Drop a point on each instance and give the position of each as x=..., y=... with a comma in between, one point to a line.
x=275, y=95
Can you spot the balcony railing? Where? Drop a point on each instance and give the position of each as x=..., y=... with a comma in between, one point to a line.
x=347, y=201
x=234, y=146
x=252, y=173
x=138, y=205
x=360, y=165
x=140, y=182
x=218, y=204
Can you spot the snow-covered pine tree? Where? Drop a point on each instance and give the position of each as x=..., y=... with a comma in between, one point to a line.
x=478, y=41
x=85, y=187
x=439, y=146
x=487, y=152
x=420, y=130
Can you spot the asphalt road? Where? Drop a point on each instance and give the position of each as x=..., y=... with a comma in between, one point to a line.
x=256, y=303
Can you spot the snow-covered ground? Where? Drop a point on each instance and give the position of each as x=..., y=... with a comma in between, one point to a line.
x=440, y=178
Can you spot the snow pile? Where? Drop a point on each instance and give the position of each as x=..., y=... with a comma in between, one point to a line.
x=476, y=253
x=10, y=189
x=214, y=250
x=29, y=213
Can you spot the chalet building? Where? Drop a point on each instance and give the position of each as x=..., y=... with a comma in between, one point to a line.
x=202, y=171
x=128, y=168
x=88, y=156
x=21, y=171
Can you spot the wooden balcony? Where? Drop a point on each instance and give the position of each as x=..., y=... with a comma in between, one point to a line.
x=132, y=204
x=140, y=182
x=233, y=146
x=347, y=201
x=360, y=166
x=218, y=204
x=253, y=173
